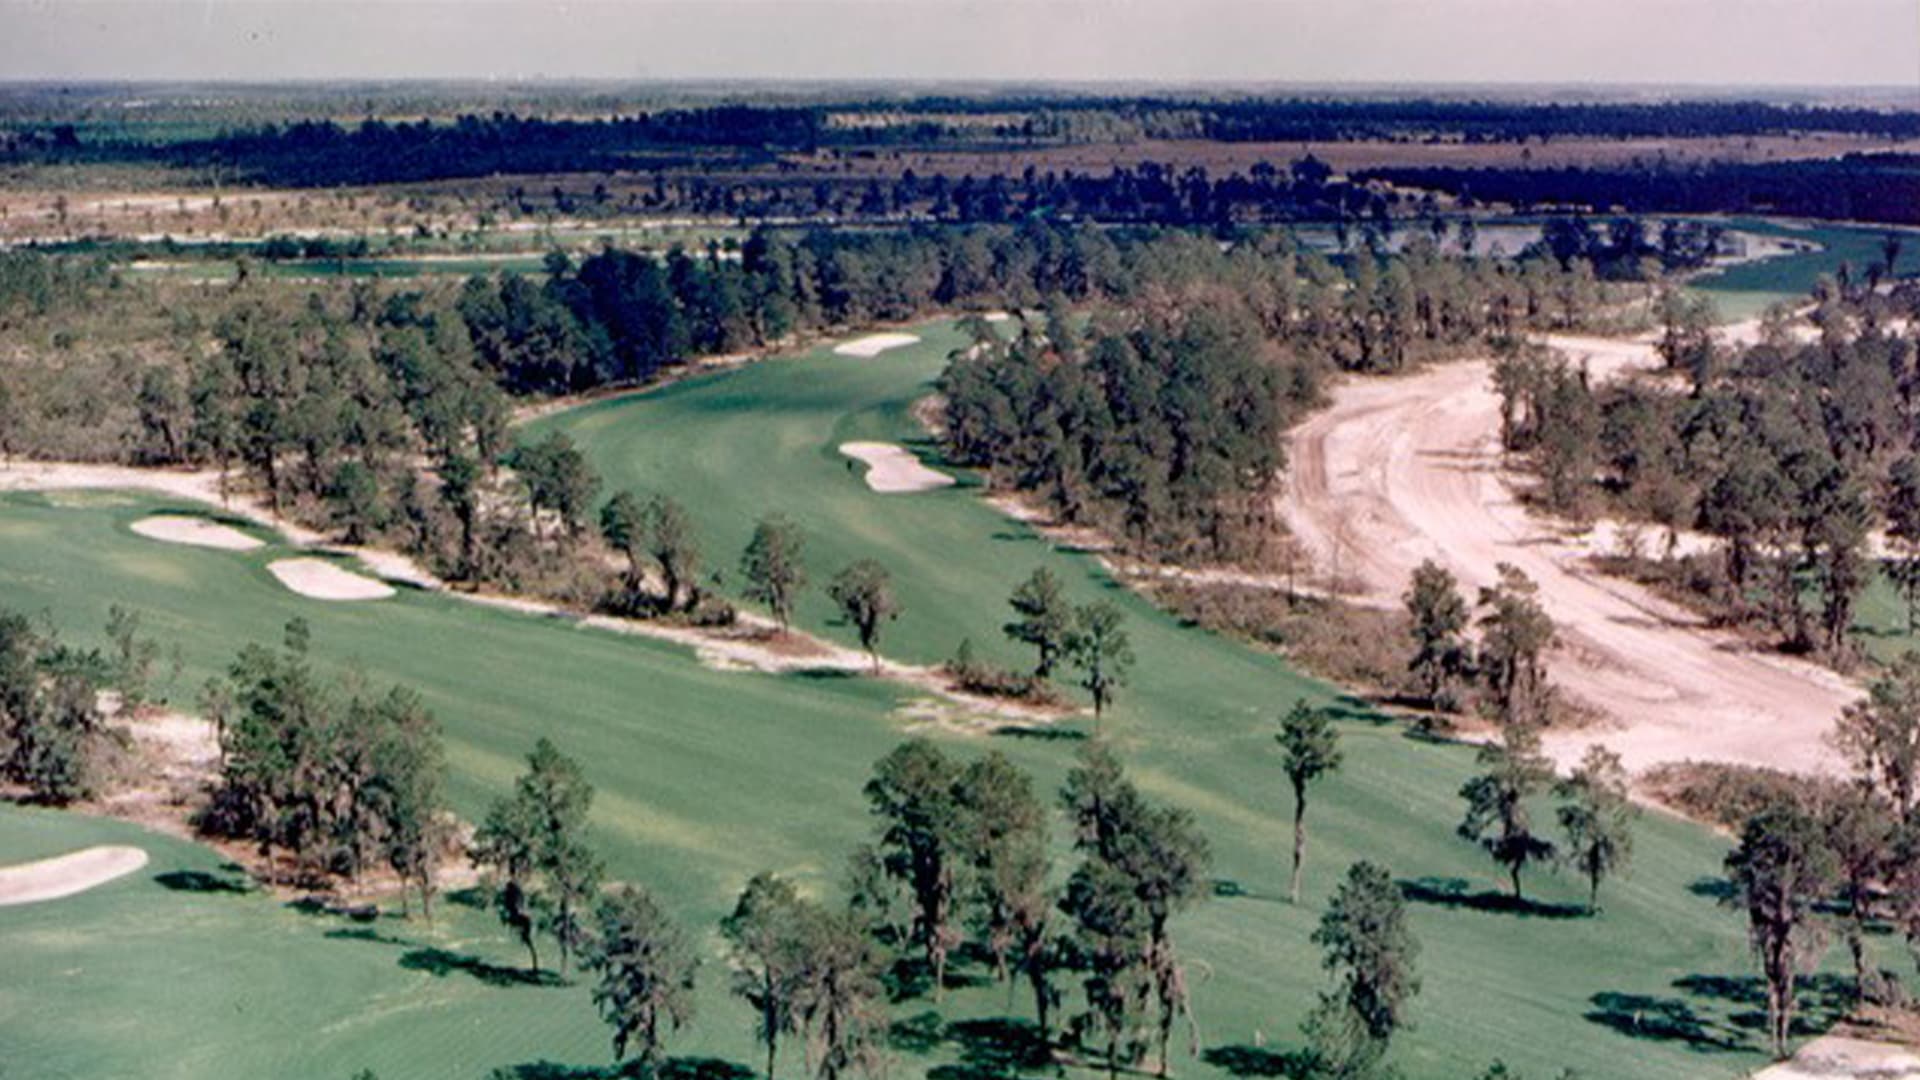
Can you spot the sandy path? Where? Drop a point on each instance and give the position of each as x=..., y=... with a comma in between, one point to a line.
x=65, y=875
x=322, y=580
x=1399, y=470
x=893, y=470
x=874, y=344
x=199, y=532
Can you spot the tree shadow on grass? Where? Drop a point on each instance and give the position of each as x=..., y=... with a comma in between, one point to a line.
x=912, y=977
x=1001, y=1046
x=1660, y=1019
x=367, y=934
x=1820, y=1001
x=1040, y=733
x=1452, y=893
x=680, y=1068
x=442, y=962
x=200, y=881
x=1713, y=888
x=988, y=1048
x=1258, y=1061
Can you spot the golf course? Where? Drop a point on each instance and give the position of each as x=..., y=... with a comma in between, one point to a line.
x=705, y=777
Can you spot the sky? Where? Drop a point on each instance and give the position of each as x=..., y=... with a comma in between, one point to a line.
x=1717, y=42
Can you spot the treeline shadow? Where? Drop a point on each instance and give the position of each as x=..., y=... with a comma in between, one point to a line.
x=1454, y=893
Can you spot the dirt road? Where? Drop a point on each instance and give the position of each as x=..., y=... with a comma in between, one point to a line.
x=1399, y=470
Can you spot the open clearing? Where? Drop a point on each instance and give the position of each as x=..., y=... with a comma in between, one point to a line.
x=322, y=580
x=1400, y=470
x=874, y=344
x=199, y=532
x=65, y=875
x=893, y=470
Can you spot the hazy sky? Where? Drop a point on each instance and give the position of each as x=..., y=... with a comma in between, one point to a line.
x=1811, y=42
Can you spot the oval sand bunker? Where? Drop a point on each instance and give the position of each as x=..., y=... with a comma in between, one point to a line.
x=65, y=875
x=176, y=529
x=873, y=344
x=893, y=470
x=323, y=580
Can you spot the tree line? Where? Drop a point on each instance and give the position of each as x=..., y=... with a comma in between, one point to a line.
x=305, y=152
x=1790, y=452
x=1161, y=421
x=1856, y=187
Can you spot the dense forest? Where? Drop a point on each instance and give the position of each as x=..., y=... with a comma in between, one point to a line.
x=1858, y=187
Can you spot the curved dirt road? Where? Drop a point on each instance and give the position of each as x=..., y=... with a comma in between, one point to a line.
x=1403, y=469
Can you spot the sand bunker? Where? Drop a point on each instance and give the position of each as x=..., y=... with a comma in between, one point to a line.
x=65, y=875
x=1840, y=1057
x=893, y=470
x=323, y=580
x=996, y=316
x=873, y=344
x=199, y=532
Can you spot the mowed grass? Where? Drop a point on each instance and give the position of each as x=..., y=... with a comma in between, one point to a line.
x=705, y=777
x=1746, y=290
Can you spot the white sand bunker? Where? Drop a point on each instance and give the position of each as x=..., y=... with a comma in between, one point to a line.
x=996, y=316
x=893, y=470
x=873, y=344
x=323, y=580
x=199, y=532
x=1839, y=1057
x=65, y=875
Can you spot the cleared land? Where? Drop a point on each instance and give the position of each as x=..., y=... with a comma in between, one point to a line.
x=1396, y=471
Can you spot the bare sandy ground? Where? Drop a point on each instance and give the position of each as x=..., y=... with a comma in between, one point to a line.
x=65, y=875
x=1841, y=1057
x=198, y=532
x=874, y=344
x=893, y=470
x=1403, y=469
x=323, y=580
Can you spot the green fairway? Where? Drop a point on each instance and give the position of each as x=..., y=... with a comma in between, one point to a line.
x=1744, y=291
x=705, y=777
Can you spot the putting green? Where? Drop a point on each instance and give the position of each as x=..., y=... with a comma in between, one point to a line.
x=706, y=777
